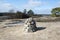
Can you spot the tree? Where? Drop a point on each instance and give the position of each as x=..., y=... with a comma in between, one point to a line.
x=1, y=14
x=19, y=14
x=25, y=11
x=30, y=13
x=11, y=11
x=56, y=11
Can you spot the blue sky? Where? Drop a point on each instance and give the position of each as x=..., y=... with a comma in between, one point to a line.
x=38, y=6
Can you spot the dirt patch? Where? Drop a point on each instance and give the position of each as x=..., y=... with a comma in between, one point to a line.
x=47, y=31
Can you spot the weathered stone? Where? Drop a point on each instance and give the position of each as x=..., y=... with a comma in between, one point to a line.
x=30, y=25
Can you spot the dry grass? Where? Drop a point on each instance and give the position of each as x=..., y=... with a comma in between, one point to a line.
x=47, y=19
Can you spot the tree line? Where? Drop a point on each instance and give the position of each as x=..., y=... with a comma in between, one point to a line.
x=55, y=12
x=18, y=14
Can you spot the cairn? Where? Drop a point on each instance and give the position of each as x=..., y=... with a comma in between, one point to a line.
x=30, y=25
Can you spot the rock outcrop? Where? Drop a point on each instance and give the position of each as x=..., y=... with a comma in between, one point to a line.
x=30, y=25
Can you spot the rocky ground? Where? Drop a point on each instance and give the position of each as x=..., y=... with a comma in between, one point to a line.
x=46, y=31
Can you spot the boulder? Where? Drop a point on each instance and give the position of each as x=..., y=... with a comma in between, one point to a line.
x=30, y=25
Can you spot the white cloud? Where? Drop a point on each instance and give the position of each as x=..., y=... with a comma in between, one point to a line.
x=32, y=4
x=4, y=6
x=57, y=4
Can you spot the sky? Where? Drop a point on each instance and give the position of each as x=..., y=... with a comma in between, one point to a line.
x=38, y=6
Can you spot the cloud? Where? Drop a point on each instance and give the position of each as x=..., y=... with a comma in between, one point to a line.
x=43, y=11
x=57, y=4
x=5, y=6
x=32, y=4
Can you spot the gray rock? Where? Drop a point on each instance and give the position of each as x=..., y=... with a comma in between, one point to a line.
x=31, y=25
